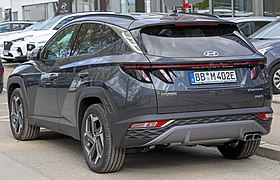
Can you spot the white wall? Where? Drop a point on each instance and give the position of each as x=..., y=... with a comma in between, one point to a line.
x=17, y=5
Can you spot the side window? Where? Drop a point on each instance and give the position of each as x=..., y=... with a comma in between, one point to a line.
x=245, y=28
x=93, y=38
x=4, y=28
x=24, y=26
x=259, y=25
x=60, y=45
x=89, y=39
x=16, y=27
x=109, y=37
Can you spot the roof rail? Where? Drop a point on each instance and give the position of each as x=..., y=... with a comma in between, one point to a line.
x=112, y=14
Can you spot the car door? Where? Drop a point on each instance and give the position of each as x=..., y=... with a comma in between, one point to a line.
x=86, y=45
x=56, y=52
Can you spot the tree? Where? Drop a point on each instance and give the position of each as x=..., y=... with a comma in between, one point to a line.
x=202, y=5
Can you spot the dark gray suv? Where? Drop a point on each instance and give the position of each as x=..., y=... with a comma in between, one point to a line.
x=119, y=82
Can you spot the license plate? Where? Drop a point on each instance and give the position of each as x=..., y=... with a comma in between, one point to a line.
x=213, y=77
x=6, y=53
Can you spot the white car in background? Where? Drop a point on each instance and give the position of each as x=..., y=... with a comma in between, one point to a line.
x=15, y=46
x=38, y=42
x=13, y=27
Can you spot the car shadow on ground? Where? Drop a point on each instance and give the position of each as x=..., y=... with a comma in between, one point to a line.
x=177, y=156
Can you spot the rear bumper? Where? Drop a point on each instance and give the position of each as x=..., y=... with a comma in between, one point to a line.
x=194, y=128
x=208, y=133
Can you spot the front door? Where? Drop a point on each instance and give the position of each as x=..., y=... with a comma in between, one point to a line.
x=55, y=52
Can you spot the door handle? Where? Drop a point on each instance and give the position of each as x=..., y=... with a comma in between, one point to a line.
x=83, y=75
x=53, y=76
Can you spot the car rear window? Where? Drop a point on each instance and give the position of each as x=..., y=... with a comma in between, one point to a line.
x=185, y=40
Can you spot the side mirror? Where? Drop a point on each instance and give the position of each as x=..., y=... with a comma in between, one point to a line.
x=34, y=54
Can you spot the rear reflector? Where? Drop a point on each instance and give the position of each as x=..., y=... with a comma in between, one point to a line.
x=265, y=115
x=152, y=124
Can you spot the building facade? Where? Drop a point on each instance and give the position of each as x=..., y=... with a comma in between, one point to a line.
x=35, y=10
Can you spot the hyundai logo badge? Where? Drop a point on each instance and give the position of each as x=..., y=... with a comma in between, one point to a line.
x=211, y=53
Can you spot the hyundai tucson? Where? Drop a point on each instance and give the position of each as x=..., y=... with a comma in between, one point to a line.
x=118, y=82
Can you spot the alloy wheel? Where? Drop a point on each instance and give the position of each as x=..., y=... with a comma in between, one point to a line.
x=17, y=114
x=93, y=138
x=276, y=79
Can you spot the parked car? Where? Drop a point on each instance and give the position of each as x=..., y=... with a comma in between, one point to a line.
x=11, y=27
x=249, y=25
x=1, y=76
x=120, y=82
x=15, y=47
x=37, y=42
x=3, y=38
x=267, y=41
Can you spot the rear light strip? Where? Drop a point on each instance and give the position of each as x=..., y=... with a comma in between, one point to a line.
x=192, y=65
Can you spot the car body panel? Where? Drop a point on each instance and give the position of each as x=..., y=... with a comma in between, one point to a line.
x=57, y=89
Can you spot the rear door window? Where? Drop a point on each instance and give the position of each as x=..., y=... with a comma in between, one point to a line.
x=192, y=40
x=93, y=38
x=89, y=39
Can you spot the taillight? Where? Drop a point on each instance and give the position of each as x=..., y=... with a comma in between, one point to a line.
x=264, y=71
x=164, y=71
x=151, y=124
x=139, y=74
x=254, y=72
x=265, y=115
x=163, y=75
x=1, y=70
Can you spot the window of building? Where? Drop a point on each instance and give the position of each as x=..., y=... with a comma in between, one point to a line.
x=243, y=8
x=271, y=7
x=39, y=12
x=222, y=8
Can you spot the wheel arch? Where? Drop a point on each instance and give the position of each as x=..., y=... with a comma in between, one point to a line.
x=13, y=83
x=93, y=95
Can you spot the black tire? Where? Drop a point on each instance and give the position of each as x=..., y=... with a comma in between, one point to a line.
x=20, y=127
x=239, y=149
x=1, y=87
x=274, y=77
x=111, y=158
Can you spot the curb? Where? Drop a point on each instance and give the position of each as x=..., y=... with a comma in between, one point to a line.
x=269, y=151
